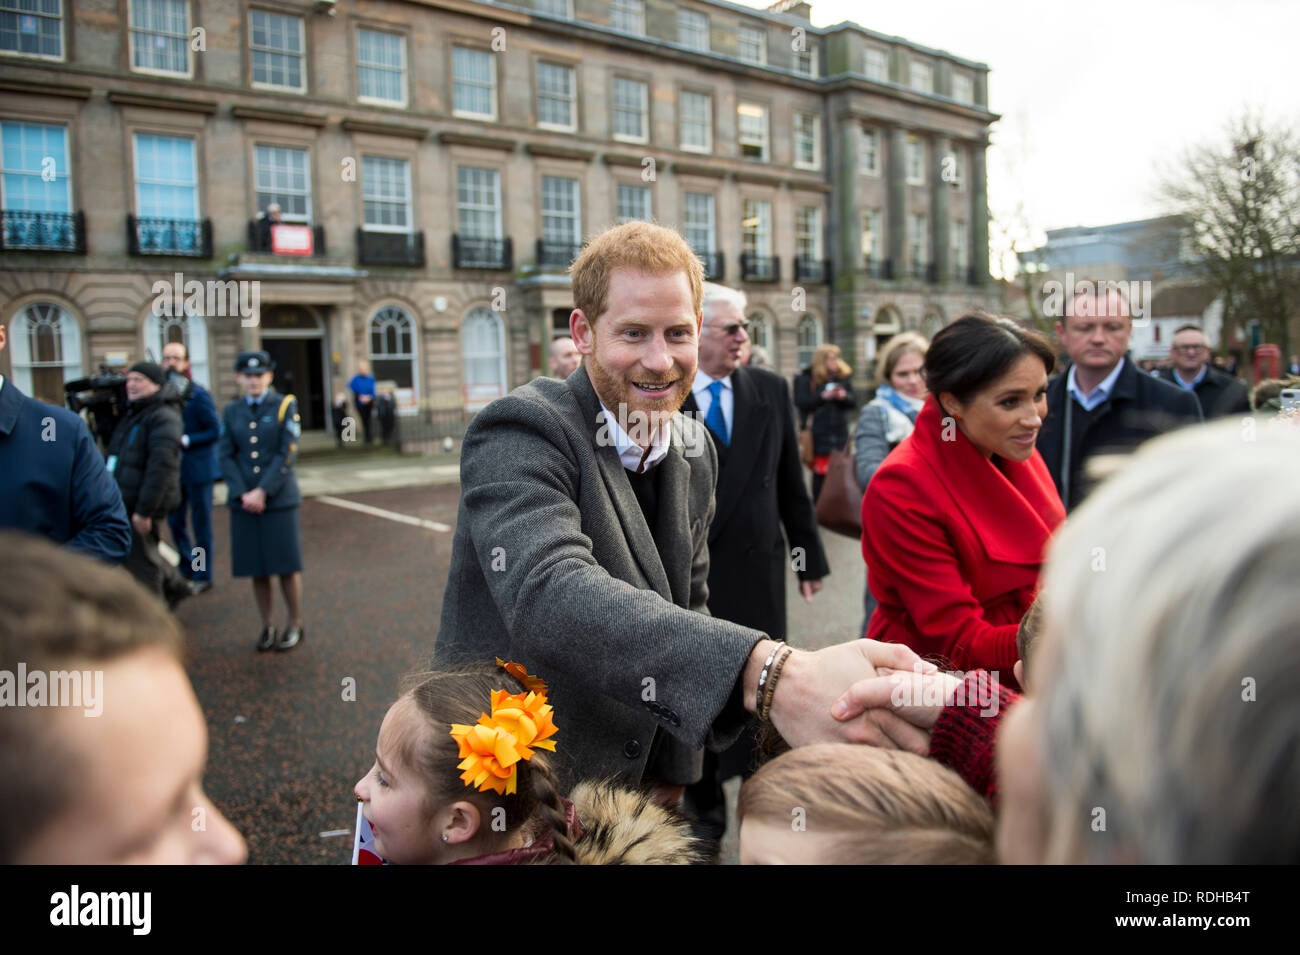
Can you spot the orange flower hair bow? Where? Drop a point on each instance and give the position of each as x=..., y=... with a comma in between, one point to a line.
x=491, y=749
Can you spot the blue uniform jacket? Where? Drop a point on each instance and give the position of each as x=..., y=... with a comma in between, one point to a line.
x=199, y=460
x=53, y=481
x=260, y=450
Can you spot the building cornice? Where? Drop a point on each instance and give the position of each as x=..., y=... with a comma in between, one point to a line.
x=279, y=116
x=559, y=152
x=450, y=137
x=161, y=101
x=45, y=88
x=385, y=129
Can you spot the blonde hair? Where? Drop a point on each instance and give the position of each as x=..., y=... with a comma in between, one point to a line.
x=642, y=246
x=898, y=346
x=1170, y=679
x=883, y=806
x=819, y=365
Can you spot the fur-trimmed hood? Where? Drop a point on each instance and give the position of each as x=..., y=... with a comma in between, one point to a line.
x=622, y=826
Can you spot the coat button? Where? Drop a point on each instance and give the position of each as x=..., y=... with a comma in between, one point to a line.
x=253, y=439
x=252, y=454
x=257, y=470
x=631, y=749
x=252, y=424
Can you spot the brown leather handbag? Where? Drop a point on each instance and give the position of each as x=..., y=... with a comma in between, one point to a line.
x=839, y=508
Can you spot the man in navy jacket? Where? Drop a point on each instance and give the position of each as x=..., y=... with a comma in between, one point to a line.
x=199, y=471
x=53, y=481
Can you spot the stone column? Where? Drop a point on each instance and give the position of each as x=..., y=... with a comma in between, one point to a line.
x=896, y=227
x=940, y=219
x=979, y=212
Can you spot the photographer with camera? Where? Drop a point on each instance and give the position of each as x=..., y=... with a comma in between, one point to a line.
x=52, y=478
x=144, y=457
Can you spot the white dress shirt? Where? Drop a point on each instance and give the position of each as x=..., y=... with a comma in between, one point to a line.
x=1098, y=394
x=634, y=457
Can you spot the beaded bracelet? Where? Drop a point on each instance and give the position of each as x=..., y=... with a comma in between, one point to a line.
x=762, y=676
x=765, y=708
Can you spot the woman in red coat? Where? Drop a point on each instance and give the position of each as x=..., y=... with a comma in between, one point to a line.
x=956, y=520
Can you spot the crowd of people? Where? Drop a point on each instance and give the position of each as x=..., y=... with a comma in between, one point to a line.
x=1081, y=640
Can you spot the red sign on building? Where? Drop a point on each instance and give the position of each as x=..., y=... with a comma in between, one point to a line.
x=291, y=239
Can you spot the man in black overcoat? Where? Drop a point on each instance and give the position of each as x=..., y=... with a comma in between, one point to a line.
x=761, y=489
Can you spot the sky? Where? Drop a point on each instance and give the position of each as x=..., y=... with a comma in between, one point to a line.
x=1099, y=98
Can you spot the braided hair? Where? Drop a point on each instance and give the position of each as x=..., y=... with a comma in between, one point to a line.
x=444, y=697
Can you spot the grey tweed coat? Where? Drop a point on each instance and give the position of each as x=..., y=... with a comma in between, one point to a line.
x=554, y=566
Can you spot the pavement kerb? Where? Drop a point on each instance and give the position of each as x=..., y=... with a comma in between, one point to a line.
x=368, y=474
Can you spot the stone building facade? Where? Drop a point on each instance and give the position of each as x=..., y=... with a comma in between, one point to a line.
x=438, y=163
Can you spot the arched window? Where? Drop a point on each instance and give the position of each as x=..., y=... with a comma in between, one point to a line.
x=392, y=347
x=483, y=348
x=46, y=344
x=931, y=324
x=810, y=337
x=190, y=330
x=760, y=333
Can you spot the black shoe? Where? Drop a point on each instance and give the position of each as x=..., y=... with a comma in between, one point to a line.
x=267, y=640
x=177, y=591
x=291, y=638
x=199, y=586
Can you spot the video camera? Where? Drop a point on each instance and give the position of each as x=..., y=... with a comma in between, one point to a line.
x=103, y=395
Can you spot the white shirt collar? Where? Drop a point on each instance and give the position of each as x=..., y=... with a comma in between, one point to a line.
x=631, y=454
x=703, y=379
x=1101, y=392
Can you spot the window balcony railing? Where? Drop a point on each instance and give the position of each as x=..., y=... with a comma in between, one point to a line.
x=971, y=277
x=715, y=265
x=261, y=237
x=43, y=231
x=468, y=252
x=807, y=269
x=925, y=271
x=556, y=255
x=759, y=268
x=879, y=268
x=192, y=237
x=390, y=248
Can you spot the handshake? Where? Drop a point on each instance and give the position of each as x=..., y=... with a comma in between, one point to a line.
x=851, y=693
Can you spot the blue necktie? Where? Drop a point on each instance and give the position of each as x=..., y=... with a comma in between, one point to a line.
x=714, y=419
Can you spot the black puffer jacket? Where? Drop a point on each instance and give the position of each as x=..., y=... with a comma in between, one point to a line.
x=145, y=454
x=830, y=422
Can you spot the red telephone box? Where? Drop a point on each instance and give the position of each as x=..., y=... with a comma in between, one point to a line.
x=1268, y=362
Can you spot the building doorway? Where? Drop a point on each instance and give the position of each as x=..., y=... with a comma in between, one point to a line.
x=295, y=339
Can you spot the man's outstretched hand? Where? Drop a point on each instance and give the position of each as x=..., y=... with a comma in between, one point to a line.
x=811, y=681
x=904, y=705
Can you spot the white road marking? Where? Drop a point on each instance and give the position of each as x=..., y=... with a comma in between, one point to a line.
x=386, y=515
x=331, y=833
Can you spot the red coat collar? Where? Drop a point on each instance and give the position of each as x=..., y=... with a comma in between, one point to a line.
x=1013, y=508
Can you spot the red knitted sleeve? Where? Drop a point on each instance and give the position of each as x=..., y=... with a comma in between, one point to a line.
x=964, y=734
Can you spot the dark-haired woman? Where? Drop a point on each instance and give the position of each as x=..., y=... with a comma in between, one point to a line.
x=956, y=520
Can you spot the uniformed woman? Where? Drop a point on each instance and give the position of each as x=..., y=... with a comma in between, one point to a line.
x=259, y=443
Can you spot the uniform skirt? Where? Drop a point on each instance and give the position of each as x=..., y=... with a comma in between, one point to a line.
x=266, y=544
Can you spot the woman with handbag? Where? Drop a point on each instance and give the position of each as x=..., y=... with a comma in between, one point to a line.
x=891, y=415
x=956, y=520
x=823, y=393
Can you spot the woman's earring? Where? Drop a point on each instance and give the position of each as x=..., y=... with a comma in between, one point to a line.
x=444, y=837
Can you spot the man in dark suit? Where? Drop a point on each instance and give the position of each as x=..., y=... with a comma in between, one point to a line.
x=199, y=469
x=1102, y=404
x=53, y=481
x=1219, y=393
x=581, y=545
x=750, y=417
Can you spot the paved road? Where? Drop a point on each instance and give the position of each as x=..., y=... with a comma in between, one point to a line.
x=290, y=733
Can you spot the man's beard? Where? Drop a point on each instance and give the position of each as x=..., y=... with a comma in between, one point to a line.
x=629, y=406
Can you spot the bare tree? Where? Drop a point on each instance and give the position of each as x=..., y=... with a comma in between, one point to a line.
x=1242, y=199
